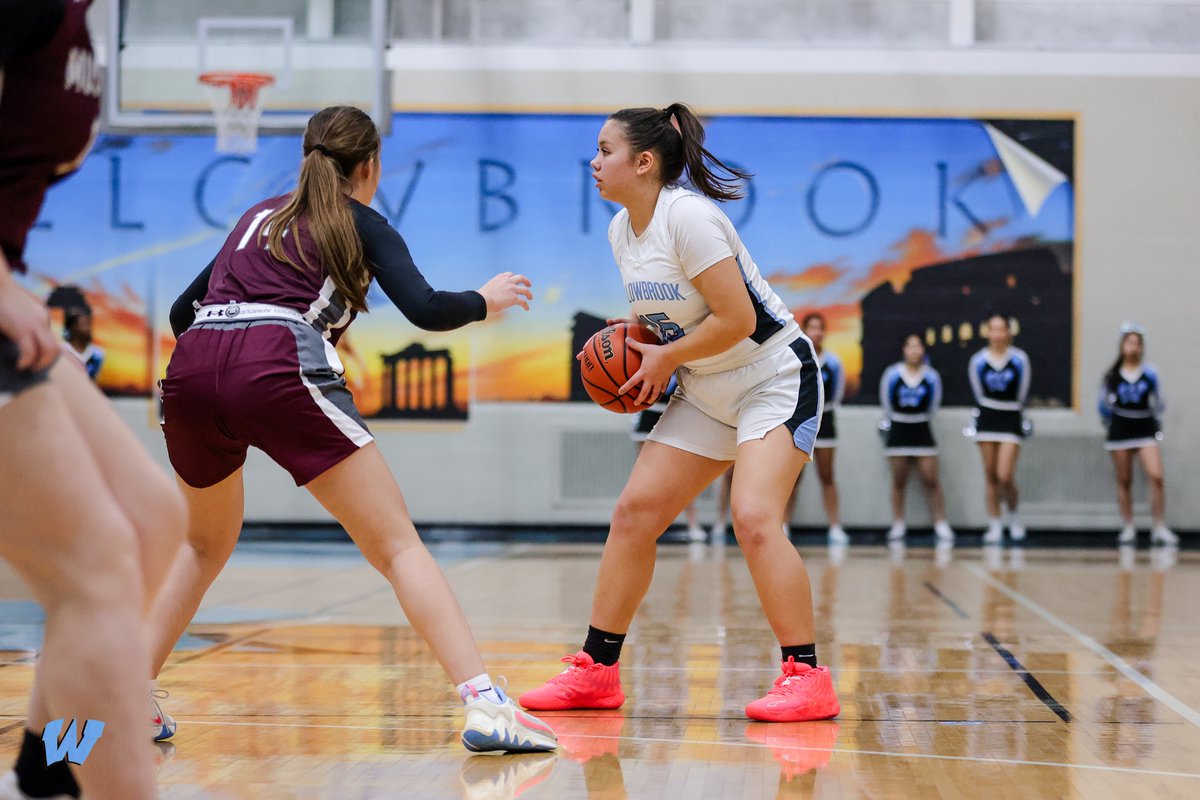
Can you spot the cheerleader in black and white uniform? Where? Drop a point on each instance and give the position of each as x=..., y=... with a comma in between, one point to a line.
x=1000, y=375
x=1131, y=405
x=833, y=380
x=910, y=394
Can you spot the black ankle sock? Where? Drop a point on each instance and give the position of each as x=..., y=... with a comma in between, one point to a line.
x=603, y=647
x=803, y=653
x=38, y=780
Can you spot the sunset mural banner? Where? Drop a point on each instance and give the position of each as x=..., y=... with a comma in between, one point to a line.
x=885, y=225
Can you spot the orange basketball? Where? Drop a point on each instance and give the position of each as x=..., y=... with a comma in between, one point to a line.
x=608, y=361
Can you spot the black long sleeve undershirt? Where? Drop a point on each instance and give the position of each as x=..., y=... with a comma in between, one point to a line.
x=391, y=265
x=183, y=310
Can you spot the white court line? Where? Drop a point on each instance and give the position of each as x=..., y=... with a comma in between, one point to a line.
x=750, y=745
x=1148, y=686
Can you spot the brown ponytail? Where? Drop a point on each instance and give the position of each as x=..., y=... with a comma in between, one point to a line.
x=337, y=140
x=680, y=148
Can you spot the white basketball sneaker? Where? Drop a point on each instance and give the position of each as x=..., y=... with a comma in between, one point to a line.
x=504, y=728
x=162, y=724
x=1161, y=534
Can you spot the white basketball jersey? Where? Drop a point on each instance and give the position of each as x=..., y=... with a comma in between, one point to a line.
x=688, y=234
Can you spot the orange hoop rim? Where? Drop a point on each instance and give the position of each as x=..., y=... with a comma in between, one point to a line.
x=247, y=80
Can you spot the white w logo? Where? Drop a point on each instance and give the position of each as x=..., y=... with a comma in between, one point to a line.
x=75, y=751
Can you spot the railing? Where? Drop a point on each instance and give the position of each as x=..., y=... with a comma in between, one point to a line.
x=1073, y=25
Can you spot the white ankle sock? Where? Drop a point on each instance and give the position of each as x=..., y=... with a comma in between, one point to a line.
x=480, y=685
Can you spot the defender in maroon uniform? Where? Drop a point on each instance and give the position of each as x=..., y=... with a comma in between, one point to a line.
x=86, y=517
x=255, y=365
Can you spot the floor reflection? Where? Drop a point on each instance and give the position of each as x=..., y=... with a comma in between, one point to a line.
x=949, y=678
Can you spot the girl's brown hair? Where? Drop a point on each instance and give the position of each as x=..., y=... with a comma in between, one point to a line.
x=680, y=148
x=337, y=140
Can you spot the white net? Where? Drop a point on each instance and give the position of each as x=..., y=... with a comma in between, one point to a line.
x=236, y=100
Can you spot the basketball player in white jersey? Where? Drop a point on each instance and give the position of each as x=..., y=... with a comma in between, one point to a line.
x=749, y=392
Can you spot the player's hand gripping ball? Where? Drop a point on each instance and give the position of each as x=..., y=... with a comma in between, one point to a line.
x=607, y=362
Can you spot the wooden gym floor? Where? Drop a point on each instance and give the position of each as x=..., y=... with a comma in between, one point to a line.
x=962, y=673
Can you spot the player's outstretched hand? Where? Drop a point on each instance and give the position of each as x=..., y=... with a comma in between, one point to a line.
x=25, y=321
x=507, y=290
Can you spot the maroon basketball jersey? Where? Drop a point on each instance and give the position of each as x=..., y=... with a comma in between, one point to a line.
x=246, y=272
x=48, y=110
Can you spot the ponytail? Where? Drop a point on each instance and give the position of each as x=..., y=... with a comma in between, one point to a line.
x=676, y=135
x=337, y=140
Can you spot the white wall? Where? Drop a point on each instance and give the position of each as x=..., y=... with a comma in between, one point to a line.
x=1138, y=183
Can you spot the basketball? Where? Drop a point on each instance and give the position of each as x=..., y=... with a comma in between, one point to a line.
x=608, y=361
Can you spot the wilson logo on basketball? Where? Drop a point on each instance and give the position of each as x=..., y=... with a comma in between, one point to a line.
x=609, y=362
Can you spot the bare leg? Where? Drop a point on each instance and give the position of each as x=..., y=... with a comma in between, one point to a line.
x=988, y=452
x=723, y=517
x=214, y=522
x=362, y=495
x=1123, y=467
x=70, y=540
x=766, y=472
x=140, y=486
x=829, y=493
x=927, y=467
x=1151, y=458
x=663, y=481
x=1006, y=473
x=900, y=466
x=789, y=511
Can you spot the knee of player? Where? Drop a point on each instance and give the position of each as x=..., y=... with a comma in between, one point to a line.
x=752, y=523
x=633, y=514
x=101, y=567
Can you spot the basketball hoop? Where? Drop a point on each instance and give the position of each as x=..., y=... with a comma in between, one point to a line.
x=238, y=110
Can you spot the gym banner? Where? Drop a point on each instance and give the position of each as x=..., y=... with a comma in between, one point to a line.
x=887, y=226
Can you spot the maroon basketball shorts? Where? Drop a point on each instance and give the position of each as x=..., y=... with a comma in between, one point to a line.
x=267, y=383
x=12, y=380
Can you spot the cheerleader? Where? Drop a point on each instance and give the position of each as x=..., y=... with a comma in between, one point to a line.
x=1000, y=375
x=833, y=378
x=910, y=395
x=77, y=340
x=1131, y=403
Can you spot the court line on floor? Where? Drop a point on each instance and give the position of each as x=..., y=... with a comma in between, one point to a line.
x=1150, y=687
x=749, y=745
x=953, y=605
x=1035, y=686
